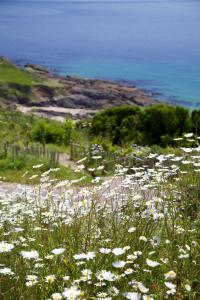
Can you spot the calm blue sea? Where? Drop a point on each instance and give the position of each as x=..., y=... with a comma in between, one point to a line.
x=152, y=43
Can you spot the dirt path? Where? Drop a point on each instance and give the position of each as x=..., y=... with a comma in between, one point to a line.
x=116, y=186
x=109, y=184
x=64, y=160
x=57, y=113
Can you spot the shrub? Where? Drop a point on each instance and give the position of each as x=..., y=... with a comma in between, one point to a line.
x=120, y=124
x=48, y=133
x=68, y=127
x=196, y=121
x=12, y=164
x=157, y=124
x=162, y=123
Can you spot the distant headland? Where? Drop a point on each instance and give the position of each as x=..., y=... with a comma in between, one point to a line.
x=37, y=89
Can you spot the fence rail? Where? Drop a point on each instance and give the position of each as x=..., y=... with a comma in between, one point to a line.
x=14, y=151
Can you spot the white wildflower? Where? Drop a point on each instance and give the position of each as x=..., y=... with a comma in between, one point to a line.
x=119, y=264
x=188, y=135
x=143, y=238
x=128, y=271
x=58, y=251
x=132, y=296
x=152, y=263
x=30, y=254
x=188, y=287
x=38, y=166
x=56, y=296
x=118, y=251
x=5, y=247
x=142, y=288
x=6, y=271
x=50, y=278
x=105, y=250
x=170, y=275
x=170, y=285
x=71, y=293
x=132, y=229
x=106, y=275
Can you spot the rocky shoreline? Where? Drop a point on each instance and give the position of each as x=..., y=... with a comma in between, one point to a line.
x=61, y=96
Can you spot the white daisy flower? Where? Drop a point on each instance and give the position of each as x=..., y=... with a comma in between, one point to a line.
x=58, y=251
x=132, y=296
x=71, y=293
x=170, y=275
x=170, y=285
x=30, y=254
x=152, y=263
x=5, y=247
x=142, y=288
x=105, y=250
x=50, y=278
x=119, y=264
x=188, y=287
x=56, y=296
x=6, y=271
x=106, y=275
x=132, y=229
x=118, y=251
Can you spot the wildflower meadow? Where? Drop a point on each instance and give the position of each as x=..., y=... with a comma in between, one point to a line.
x=134, y=235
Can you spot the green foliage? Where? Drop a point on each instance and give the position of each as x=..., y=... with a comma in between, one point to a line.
x=196, y=121
x=69, y=128
x=157, y=124
x=11, y=164
x=120, y=124
x=162, y=123
x=11, y=74
x=48, y=133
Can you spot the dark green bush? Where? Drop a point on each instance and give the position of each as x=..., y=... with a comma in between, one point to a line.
x=120, y=124
x=196, y=121
x=161, y=123
x=157, y=124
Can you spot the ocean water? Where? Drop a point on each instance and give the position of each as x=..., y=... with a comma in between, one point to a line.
x=154, y=44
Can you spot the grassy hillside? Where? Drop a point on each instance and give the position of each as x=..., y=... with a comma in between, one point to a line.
x=9, y=73
x=25, y=85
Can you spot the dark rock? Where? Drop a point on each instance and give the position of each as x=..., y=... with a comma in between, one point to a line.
x=37, y=68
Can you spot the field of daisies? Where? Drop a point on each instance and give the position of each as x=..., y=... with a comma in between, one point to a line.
x=133, y=236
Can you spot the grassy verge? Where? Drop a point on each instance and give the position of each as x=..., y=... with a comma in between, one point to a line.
x=29, y=175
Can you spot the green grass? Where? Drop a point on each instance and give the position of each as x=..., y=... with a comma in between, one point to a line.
x=9, y=73
x=18, y=171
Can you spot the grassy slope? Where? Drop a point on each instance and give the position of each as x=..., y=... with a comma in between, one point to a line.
x=11, y=74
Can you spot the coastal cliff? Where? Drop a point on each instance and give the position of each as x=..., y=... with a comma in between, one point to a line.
x=34, y=88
